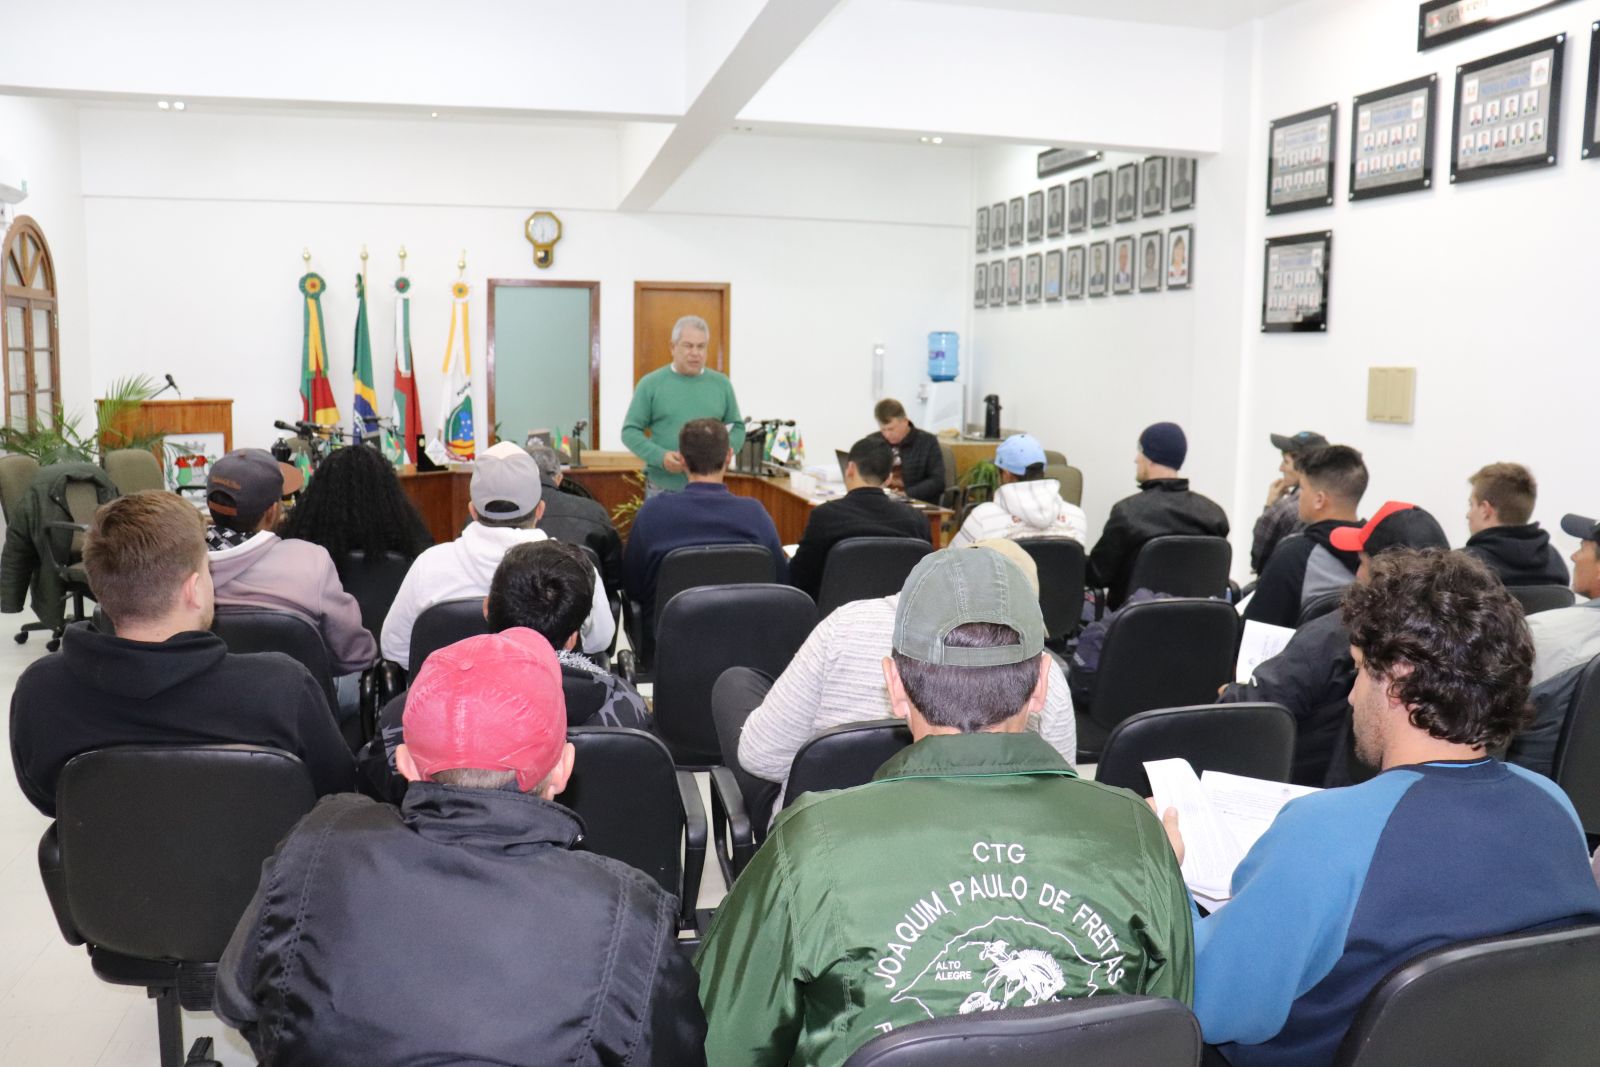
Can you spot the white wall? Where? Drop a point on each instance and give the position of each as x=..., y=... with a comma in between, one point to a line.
x=1488, y=288
x=194, y=257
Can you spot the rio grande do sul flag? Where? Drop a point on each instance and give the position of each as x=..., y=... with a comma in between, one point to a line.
x=455, y=406
x=316, y=395
x=407, y=422
x=364, y=400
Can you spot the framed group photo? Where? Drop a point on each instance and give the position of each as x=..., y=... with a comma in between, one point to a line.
x=1077, y=205
x=1153, y=186
x=1508, y=111
x=1300, y=160
x=997, y=283
x=1075, y=273
x=1052, y=274
x=980, y=286
x=981, y=228
x=1391, y=139
x=1127, y=202
x=1180, y=256
x=1122, y=265
x=1035, y=216
x=1181, y=197
x=1100, y=199
x=997, y=228
x=1055, y=211
x=1294, y=283
x=1014, y=222
x=1152, y=261
x=1099, y=268
x=1014, y=280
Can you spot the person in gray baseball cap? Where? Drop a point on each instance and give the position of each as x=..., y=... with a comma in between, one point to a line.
x=973, y=854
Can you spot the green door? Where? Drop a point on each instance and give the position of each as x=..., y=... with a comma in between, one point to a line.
x=542, y=346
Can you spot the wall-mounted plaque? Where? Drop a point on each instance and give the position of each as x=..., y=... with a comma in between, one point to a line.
x=1014, y=280
x=1052, y=274
x=1152, y=261
x=997, y=283
x=1033, y=286
x=1099, y=267
x=982, y=229
x=1180, y=256
x=1055, y=211
x=1055, y=160
x=997, y=227
x=1294, y=283
x=1122, y=265
x=980, y=286
x=1077, y=205
x=1126, y=207
x=1035, y=215
x=1100, y=199
x=1300, y=160
x=1181, y=197
x=1075, y=272
x=1153, y=186
x=1014, y=222
x=1442, y=21
x=1508, y=110
x=1591, y=113
x=1391, y=139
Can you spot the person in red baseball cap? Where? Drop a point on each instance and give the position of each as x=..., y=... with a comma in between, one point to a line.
x=464, y=926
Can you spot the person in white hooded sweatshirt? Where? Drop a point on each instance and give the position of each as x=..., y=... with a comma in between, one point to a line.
x=505, y=508
x=1027, y=504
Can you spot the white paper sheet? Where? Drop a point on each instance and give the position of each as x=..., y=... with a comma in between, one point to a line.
x=1261, y=642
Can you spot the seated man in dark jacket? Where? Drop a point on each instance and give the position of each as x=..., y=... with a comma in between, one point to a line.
x=1504, y=535
x=1305, y=566
x=918, y=461
x=1313, y=674
x=1164, y=505
x=865, y=511
x=163, y=679
x=462, y=927
x=577, y=520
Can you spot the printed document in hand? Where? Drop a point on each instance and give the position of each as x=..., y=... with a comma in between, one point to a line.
x=1261, y=642
x=1221, y=816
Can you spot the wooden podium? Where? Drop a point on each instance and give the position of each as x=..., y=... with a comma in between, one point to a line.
x=161, y=417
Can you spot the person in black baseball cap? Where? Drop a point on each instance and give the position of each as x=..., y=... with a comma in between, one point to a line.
x=1281, y=516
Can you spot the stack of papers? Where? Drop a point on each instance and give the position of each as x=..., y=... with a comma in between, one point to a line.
x=1261, y=642
x=1221, y=817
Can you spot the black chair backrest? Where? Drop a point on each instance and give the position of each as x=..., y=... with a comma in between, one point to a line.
x=861, y=568
x=1537, y=598
x=697, y=565
x=1255, y=740
x=728, y=718
x=1060, y=561
x=625, y=789
x=845, y=756
x=264, y=630
x=1163, y=654
x=1183, y=565
x=1576, y=766
x=584, y=692
x=1148, y=1031
x=1524, y=999
x=702, y=633
x=443, y=624
x=373, y=582
x=1319, y=606
x=161, y=846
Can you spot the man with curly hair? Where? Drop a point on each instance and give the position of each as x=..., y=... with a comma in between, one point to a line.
x=1446, y=844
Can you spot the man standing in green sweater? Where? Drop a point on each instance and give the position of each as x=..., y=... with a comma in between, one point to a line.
x=670, y=396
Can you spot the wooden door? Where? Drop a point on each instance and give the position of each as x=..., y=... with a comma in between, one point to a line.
x=657, y=305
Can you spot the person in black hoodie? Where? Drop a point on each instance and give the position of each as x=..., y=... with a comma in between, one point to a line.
x=1499, y=514
x=864, y=511
x=163, y=678
x=1305, y=566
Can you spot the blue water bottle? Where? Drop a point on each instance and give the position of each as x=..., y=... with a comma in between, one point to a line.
x=944, y=356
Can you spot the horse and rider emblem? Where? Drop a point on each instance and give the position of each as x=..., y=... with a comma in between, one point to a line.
x=1005, y=962
x=1027, y=971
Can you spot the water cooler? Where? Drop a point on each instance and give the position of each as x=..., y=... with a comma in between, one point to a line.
x=943, y=399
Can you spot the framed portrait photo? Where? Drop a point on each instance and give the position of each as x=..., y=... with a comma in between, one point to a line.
x=1391, y=139
x=1591, y=111
x=1033, y=278
x=1125, y=206
x=1036, y=216
x=1014, y=280
x=997, y=228
x=1123, y=265
x=1014, y=223
x=1055, y=211
x=1182, y=174
x=1508, y=111
x=1100, y=199
x=1294, y=283
x=1075, y=273
x=1153, y=186
x=1052, y=274
x=980, y=285
x=1300, y=160
x=1077, y=205
x=981, y=228
x=997, y=283
x=1152, y=261
x=1180, y=256
x=1099, y=268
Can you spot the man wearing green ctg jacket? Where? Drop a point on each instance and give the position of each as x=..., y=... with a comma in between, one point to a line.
x=975, y=872
x=670, y=396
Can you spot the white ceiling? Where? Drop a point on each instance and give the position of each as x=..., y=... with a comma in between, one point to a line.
x=1196, y=14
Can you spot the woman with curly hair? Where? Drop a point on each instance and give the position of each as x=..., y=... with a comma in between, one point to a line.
x=355, y=503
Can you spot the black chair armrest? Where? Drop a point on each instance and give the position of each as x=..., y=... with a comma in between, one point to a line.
x=735, y=837
x=627, y=667
x=694, y=847
x=55, y=884
x=60, y=566
x=367, y=687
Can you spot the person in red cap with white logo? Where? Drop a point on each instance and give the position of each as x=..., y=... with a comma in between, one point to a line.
x=462, y=926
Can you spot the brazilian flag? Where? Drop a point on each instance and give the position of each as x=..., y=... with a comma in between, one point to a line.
x=364, y=406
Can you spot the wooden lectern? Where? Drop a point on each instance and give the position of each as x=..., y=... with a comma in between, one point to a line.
x=162, y=417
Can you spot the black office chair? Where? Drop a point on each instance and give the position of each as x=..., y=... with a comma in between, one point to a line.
x=1254, y=740
x=1147, y=1031
x=155, y=853
x=688, y=568
x=741, y=803
x=1319, y=606
x=245, y=629
x=1576, y=765
x=1537, y=598
x=703, y=632
x=584, y=694
x=1158, y=654
x=637, y=808
x=373, y=582
x=443, y=624
x=861, y=568
x=1525, y=998
x=63, y=547
x=1183, y=565
x=1061, y=562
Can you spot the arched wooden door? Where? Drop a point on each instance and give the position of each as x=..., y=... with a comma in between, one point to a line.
x=29, y=327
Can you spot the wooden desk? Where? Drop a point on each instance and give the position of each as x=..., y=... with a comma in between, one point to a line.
x=441, y=497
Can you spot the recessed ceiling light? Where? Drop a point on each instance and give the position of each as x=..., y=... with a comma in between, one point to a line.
x=178, y=105
x=162, y=104
x=433, y=114
x=924, y=139
x=938, y=140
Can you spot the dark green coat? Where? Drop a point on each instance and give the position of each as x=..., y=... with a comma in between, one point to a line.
x=25, y=560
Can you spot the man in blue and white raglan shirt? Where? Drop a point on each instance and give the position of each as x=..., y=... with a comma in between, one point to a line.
x=1446, y=844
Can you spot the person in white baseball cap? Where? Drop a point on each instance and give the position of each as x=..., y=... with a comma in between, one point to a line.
x=1027, y=504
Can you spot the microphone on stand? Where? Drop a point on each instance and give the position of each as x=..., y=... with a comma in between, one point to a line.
x=170, y=385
